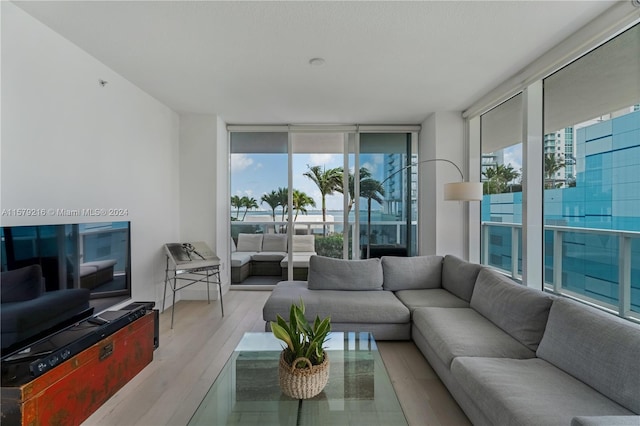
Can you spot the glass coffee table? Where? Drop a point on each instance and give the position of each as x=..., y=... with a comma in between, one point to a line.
x=246, y=392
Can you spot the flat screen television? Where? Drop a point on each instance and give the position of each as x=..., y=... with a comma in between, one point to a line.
x=96, y=256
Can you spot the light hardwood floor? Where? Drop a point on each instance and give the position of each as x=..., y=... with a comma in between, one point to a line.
x=168, y=391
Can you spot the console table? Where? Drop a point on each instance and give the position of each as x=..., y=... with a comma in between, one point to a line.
x=79, y=384
x=188, y=264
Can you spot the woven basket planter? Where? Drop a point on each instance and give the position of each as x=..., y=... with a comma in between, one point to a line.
x=303, y=383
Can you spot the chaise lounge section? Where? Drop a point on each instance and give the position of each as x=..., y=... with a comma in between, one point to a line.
x=94, y=274
x=509, y=354
x=356, y=303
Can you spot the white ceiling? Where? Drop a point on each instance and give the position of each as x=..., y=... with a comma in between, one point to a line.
x=386, y=62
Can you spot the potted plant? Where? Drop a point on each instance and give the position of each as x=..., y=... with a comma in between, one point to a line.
x=304, y=363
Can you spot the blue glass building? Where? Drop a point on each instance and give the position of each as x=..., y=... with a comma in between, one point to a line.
x=606, y=197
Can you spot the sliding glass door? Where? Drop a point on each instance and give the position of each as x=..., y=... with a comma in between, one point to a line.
x=388, y=191
x=302, y=184
x=318, y=175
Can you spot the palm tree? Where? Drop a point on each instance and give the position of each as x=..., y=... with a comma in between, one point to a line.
x=248, y=203
x=273, y=201
x=327, y=181
x=552, y=165
x=301, y=201
x=283, y=200
x=364, y=174
x=370, y=188
x=508, y=174
x=236, y=202
x=498, y=178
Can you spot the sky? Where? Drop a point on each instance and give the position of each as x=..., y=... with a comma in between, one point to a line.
x=253, y=175
x=513, y=156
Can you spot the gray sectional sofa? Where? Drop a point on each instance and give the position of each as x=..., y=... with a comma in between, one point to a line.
x=509, y=355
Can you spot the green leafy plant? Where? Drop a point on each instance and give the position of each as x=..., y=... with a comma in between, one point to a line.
x=329, y=246
x=302, y=339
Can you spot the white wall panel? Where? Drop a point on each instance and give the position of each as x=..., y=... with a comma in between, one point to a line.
x=70, y=143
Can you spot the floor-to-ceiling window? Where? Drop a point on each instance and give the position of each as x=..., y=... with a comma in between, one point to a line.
x=259, y=182
x=310, y=177
x=592, y=185
x=388, y=194
x=501, y=175
x=318, y=196
x=583, y=119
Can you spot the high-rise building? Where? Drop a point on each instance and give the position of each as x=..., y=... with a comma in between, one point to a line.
x=395, y=184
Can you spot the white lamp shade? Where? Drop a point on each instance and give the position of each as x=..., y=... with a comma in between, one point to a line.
x=463, y=191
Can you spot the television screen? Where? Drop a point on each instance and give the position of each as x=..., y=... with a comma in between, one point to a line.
x=96, y=256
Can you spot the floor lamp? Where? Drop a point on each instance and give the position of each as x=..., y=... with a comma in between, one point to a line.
x=453, y=191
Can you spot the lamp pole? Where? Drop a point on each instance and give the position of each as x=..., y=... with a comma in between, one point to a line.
x=402, y=169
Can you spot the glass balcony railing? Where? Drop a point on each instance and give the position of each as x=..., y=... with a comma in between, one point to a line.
x=600, y=266
x=329, y=235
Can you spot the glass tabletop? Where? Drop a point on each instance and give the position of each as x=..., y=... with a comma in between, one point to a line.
x=246, y=392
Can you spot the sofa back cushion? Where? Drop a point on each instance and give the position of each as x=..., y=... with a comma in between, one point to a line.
x=304, y=243
x=21, y=284
x=249, y=242
x=274, y=242
x=459, y=276
x=411, y=273
x=520, y=311
x=595, y=347
x=326, y=273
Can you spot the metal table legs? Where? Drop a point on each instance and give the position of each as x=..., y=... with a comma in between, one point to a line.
x=203, y=275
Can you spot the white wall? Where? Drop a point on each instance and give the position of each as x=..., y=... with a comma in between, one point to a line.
x=68, y=142
x=442, y=223
x=199, y=135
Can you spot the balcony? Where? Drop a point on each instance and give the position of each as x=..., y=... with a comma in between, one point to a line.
x=329, y=234
x=599, y=266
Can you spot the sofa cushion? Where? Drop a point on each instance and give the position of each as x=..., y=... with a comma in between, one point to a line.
x=528, y=392
x=21, y=284
x=233, y=246
x=605, y=421
x=376, y=307
x=86, y=270
x=407, y=273
x=303, y=243
x=239, y=258
x=464, y=332
x=249, y=242
x=430, y=298
x=326, y=273
x=459, y=276
x=520, y=311
x=274, y=242
x=101, y=264
x=595, y=347
x=268, y=256
x=300, y=260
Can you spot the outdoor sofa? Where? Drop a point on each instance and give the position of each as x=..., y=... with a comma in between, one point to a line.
x=96, y=273
x=509, y=354
x=267, y=254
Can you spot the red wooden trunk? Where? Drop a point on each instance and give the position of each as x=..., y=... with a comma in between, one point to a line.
x=72, y=391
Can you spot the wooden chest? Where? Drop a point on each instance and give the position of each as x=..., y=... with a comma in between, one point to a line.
x=72, y=391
